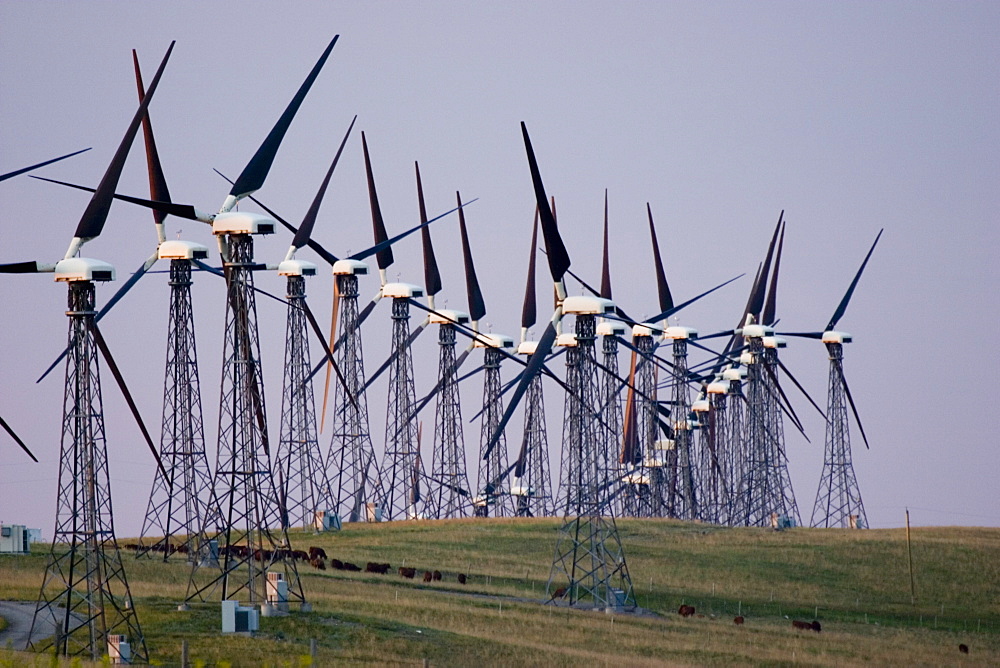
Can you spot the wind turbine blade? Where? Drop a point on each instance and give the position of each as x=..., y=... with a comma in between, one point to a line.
x=533, y=368
x=106, y=353
x=437, y=386
x=333, y=336
x=304, y=233
x=17, y=439
x=842, y=307
x=785, y=403
x=23, y=170
x=675, y=309
x=158, y=190
x=801, y=388
x=662, y=289
x=850, y=400
x=185, y=211
x=606, y=261
x=477, y=306
x=558, y=258
x=96, y=214
x=253, y=175
x=384, y=256
x=432, y=277
x=379, y=247
x=326, y=350
x=395, y=355
x=30, y=267
x=757, y=303
x=529, y=313
x=630, y=435
x=768, y=317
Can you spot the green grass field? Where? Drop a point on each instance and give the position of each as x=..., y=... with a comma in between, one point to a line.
x=855, y=582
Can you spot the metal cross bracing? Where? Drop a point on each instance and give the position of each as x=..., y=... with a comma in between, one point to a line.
x=351, y=464
x=569, y=463
x=714, y=460
x=400, y=500
x=643, y=494
x=305, y=490
x=492, y=500
x=612, y=421
x=785, y=505
x=179, y=505
x=838, y=499
x=85, y=597
x=683, y=474
x=533, y=491
x=736, y=453
x=589, y=566
x=448, y=494
x=252, y=537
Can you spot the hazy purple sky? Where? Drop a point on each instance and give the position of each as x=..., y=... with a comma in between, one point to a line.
x=849, y=116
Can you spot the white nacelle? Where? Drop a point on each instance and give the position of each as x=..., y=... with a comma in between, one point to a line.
x=757, y=331
x=402, y=290
x=567, y=340
x=527, y=348
x=350, y=268
x=735, y=373
x=683, y=425
x=296, y=268
x=519, y=490
x=837, y=337
x=636, y=478
x=718, y=387
x=775, y=342
x=642, y=330
x=84, y=269
x=701, y=406
x=583, y=305
x=678, y=332
x=181, y=250
x=747, y=358
x=238, y=222
x=664, y=444
x=448, y=317
x=493, y=341
x=610, y=328
x=652, y=462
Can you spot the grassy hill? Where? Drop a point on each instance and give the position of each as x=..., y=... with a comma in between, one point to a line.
x=856, y=583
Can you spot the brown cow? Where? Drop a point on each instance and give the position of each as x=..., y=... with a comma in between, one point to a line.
x=427, y=576
x=317, y=552
x=807, y=626
x=686, y=610
x=738, y=620
x=407, y=572
x=348, y=566
x=461, y=578
x=559, y=593
x=963, y=648
x=337, y=563
x=437, y=576
x=316, y=562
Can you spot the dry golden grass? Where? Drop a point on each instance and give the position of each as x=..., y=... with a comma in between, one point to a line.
x=496, y=619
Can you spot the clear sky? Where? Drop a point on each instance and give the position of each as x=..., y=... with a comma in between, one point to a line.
x=850, y=116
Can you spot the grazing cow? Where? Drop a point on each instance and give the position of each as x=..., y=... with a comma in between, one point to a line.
x=407, y=572
x=963, y=648
x=558, y=593
x=373, y=567
x=738, y=620
x=337, y=563
x=300, y=555
x=461, y=578
x=427, y=576
x=816, y=626
x=348, y=566
x=317, y=552
x=686, y=610
x=437, y=576
x=317, y=563
x=807, y=626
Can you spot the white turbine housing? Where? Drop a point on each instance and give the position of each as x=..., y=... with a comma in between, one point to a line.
x=735, y=373
x=238, y=222
x=718, y=387
x=84, y=269
x=296, y=268
x=664, y=445
x=402, y=290
x=836, y=337
x=493, y=341
x=350, y=268
x=182, y=250
x=566, y=340
x=701, y=406
x=448, y=317
x=636, y=478
x=775, y=342
x=608, y=328
x=642, y=330
x=757, y=331
x=527, y=348
x=520, y=490
x=583, y=305
x=678, y=332
x=747, y=358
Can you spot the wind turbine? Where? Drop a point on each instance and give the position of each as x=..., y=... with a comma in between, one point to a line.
x=838, y=499
x=85, y=597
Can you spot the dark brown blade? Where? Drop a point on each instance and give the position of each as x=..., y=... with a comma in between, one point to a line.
x=842, y=307
x=383, y=257
x=304, y=232
x=529, y=313
x=850, y=400
x=253, y=175
x=432, y=277
x=757, y=304
x=630, y=435
x=106, y=352
x=662, y=289
x=558, y=257
x=606, y=262
x=788, y=373
x=477, y=306
x=326, y=350
x=769, y=316
x=23, y=170
x=185, y=211
x=158, y=190
x=96, y=214
x=17, y=439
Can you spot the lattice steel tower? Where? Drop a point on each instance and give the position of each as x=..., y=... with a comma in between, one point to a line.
x=85, y=597
x=684, y=474
x=351, y=464
x=182, y=501
x=253, y=537
x=492, y=497
x=589, y=563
